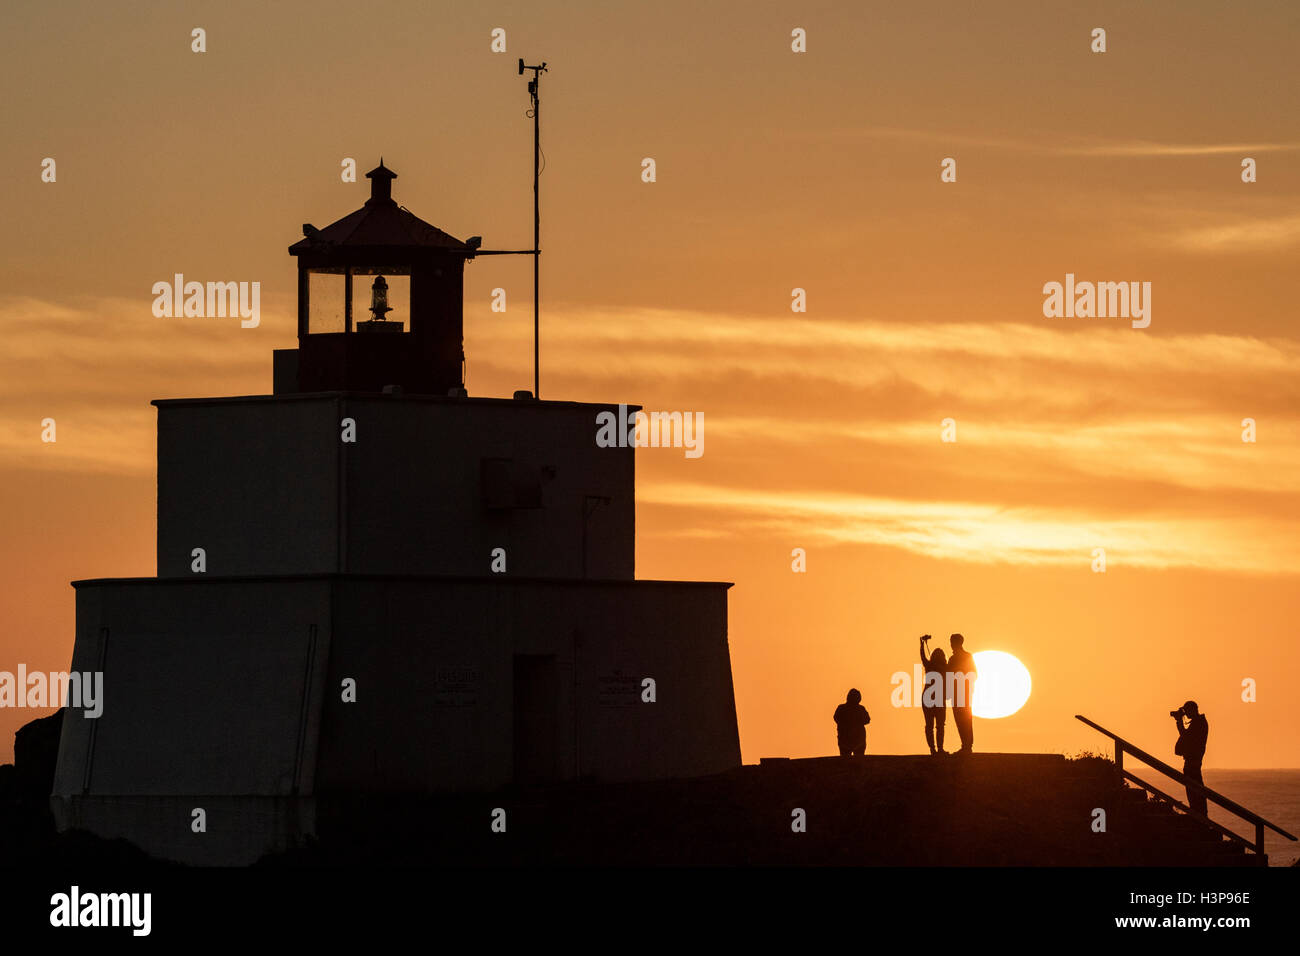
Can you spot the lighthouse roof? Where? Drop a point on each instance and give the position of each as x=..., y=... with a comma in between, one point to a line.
x=381, y=222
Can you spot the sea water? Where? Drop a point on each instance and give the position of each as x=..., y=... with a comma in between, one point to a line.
x=1273, y=794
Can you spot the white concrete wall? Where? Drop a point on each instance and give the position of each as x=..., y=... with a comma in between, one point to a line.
x=211, y=686
x=204, y=685
x=266, y=486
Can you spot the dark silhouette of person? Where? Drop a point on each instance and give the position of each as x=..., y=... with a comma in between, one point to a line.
x=851, y=720
x=1191, y=747
x=933, y=700
x=961, y=665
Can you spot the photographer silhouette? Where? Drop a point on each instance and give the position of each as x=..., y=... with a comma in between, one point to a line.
x=1191, y=747
x=933, y=698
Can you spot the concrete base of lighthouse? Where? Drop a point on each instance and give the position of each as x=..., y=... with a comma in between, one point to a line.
x=241, y=696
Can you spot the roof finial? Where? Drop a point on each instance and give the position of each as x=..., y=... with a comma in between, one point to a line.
x=381, y=183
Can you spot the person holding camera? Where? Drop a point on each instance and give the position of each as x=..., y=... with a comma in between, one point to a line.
x=1191, y=747
x=933, y=698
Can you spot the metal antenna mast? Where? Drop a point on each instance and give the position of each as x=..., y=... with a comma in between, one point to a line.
x=535, y=90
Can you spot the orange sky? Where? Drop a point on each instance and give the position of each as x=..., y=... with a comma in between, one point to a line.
x=775, y=170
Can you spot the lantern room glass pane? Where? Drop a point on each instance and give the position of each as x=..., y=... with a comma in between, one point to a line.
x=326, y=302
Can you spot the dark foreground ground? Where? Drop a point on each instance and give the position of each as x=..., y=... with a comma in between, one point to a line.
x=986, y=810
x=981, y=810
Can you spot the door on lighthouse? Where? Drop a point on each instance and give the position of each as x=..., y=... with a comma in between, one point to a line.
x=537, y=718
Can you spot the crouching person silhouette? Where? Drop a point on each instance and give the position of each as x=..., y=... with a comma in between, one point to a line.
x=851, y=720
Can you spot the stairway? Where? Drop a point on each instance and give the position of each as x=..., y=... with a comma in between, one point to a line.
x=1154, y=821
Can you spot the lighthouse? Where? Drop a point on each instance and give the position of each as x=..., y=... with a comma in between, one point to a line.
x=362, y=252
x=370, y=581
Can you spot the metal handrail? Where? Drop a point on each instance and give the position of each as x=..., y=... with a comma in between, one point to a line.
x=1122, y=746
x=1232, y=835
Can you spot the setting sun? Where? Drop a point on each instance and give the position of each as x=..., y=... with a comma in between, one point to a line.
x=1003, y=685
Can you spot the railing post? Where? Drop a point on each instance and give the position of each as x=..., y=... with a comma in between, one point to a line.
x=1259, y=837
x=1119, y=754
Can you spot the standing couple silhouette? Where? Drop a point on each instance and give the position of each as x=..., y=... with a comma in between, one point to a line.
x=948, y=678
